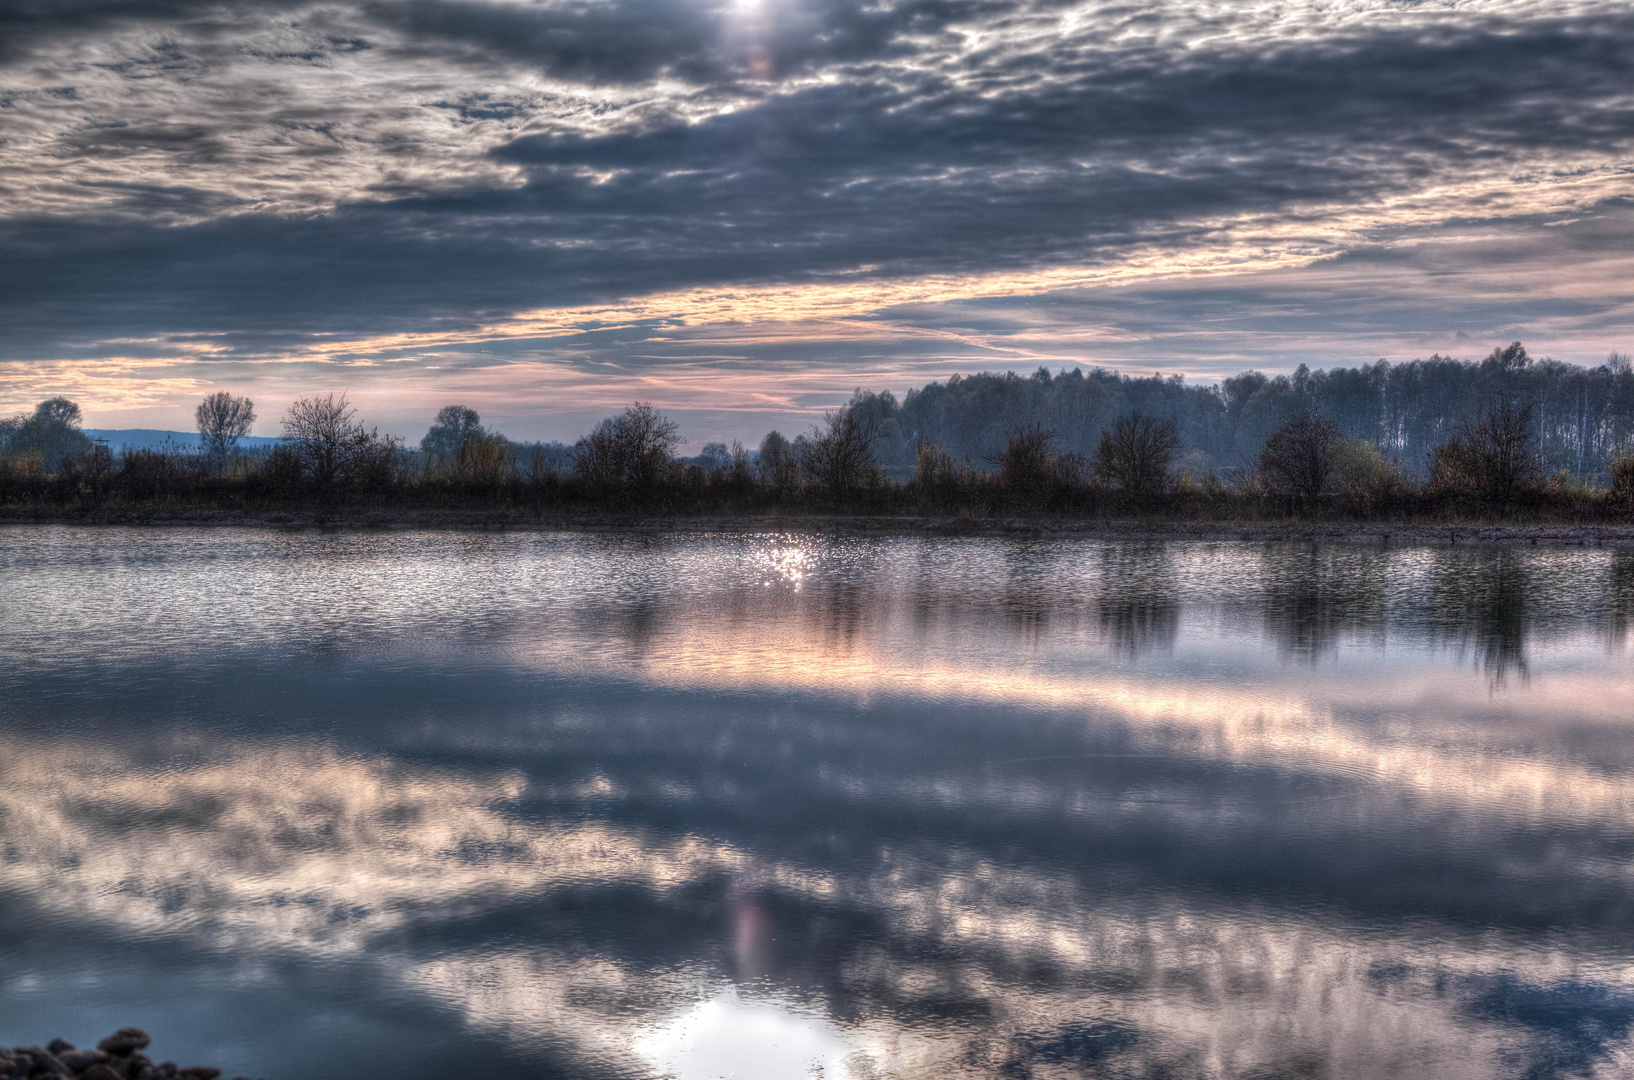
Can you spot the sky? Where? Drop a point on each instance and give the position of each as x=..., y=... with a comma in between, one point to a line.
x=740, y=210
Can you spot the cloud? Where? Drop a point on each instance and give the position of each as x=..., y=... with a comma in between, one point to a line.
x=280, y=176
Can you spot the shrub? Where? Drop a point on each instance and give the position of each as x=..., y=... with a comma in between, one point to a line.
x=1622, y=479
x=692, y=480
x=1298, y=458
x=1366, y=477
x=323, y=433
x=933, y=466
x=1136, y=454
x=630, y=452
x=152, y=474
x=281, y=469
x=1027, y=463
x=21, y=465
x=738, y=474
x=839, y=457
x=483, y=459
x=92, y=469
x=1493, y=456
x=375, y=462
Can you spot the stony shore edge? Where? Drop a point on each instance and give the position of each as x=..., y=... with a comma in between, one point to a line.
x=1416, y=534
x=118, y=1057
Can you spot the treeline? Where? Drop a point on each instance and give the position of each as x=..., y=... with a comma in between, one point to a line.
x=1073, y=444
x=1583, y=417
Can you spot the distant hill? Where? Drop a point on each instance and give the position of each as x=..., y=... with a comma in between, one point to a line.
x=152, y=439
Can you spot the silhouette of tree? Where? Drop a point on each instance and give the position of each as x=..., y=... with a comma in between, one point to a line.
x=1136, y=454
x=1298, y=458
x=714, y=455
x=223, y=420
x=58, y=412
x=484, y=459
x=1494, y=454
x=51, y=434
x=839, y=455
x=632, y=451
x=1026, y=465
x=777, y=463
x=323, y=432
x=454, y=424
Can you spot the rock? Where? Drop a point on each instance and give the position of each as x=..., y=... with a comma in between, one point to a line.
x=118, y=1057
x=125, y=1041
x=46, y=1064
x=80, y=1060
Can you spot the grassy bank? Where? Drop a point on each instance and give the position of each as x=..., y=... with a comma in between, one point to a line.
x=1468, y=530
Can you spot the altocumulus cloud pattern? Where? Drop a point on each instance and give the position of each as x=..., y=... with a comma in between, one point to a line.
x=211, y=180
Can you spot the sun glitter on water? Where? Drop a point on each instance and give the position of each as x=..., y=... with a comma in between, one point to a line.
x=786, y=559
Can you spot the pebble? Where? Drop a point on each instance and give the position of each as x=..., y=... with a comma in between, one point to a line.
x=124, y=1041
x=80, y=1060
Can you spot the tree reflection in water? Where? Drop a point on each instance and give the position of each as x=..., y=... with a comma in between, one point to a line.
x=617, y=807
x=1479, y=602
x=1315, y=595
x=1139, y=599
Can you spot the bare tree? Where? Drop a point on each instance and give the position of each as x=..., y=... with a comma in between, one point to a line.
x=324, y=432
x=632, y=451
x=1494, y=454
x=1027, y=463
x=223, y=420
x=1299, y=456
x=374, y=462
x=839, y=456
x=1136, y=454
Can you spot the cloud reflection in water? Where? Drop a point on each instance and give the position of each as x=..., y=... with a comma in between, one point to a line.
x=951, y=808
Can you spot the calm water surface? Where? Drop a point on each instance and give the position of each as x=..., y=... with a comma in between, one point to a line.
x=441, y=805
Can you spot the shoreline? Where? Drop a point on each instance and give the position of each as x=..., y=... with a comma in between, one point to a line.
x=1418, y=534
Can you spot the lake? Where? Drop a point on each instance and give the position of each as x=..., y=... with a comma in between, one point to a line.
x=435, y=804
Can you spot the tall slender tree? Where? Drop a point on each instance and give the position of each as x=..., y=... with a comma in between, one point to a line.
x=223, y=419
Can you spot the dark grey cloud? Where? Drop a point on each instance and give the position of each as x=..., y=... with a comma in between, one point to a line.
x=636, y=40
